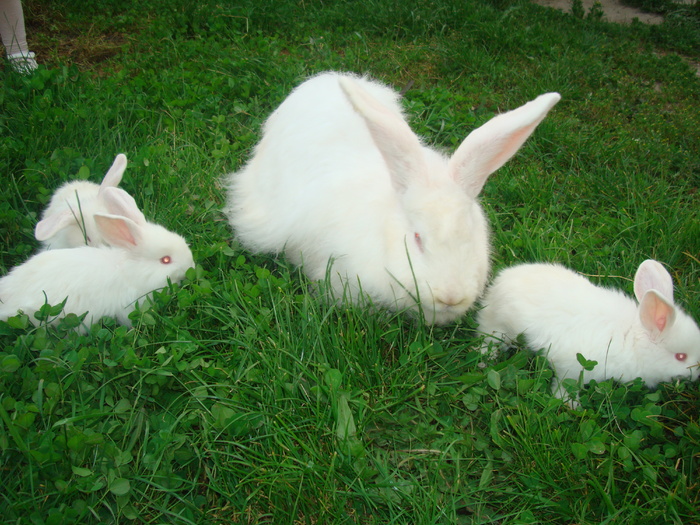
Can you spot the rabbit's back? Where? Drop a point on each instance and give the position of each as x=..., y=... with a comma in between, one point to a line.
x=314, y=166
x=555, y=308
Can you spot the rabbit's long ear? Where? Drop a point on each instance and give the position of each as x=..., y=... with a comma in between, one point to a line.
x=119, y=231
x=393, y=137
x=51, y=225
x=490, y=146
x=656, y=313
x=114, y=175
x=119, y=202
x=651, y=275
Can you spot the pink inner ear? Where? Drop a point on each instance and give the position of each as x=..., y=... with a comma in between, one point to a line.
x=656, y=313
x=661, y=319
x=126, y=233
x=681, y=357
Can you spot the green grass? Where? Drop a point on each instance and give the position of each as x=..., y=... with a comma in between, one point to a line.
x=238, y=397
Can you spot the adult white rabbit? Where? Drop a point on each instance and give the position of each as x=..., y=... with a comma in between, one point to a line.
x=67, y=222
x=102, y=280
x=564, y=314
x=339, y=181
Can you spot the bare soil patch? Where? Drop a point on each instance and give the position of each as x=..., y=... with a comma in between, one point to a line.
x=613, y=10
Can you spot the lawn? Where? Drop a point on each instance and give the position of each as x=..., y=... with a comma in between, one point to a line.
x=239, y=397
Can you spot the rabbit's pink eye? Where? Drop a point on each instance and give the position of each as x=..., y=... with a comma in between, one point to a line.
x=681, y=357
x=419, y=241
x=166, y=259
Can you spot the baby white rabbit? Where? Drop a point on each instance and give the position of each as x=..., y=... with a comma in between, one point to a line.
x=340, y=181
x=68, y=222
x=104, y=280
x=563, y=313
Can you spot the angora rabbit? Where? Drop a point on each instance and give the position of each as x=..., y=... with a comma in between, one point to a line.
x=563, y=313
x=339, y=181
x=104, y=280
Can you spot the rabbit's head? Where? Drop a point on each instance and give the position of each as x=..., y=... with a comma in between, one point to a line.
x=671, y=339
x=440, y=252
x=153, y=254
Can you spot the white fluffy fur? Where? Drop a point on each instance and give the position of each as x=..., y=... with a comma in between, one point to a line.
x=67, y=222
x=104, y=280
x=563, y=313
x=338, y=177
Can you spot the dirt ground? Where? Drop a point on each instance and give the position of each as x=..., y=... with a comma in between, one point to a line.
x=613, y=9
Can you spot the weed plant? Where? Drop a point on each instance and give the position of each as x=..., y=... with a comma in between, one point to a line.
x=239, y=397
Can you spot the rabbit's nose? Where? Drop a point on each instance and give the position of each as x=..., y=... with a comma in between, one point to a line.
x=449, y=299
